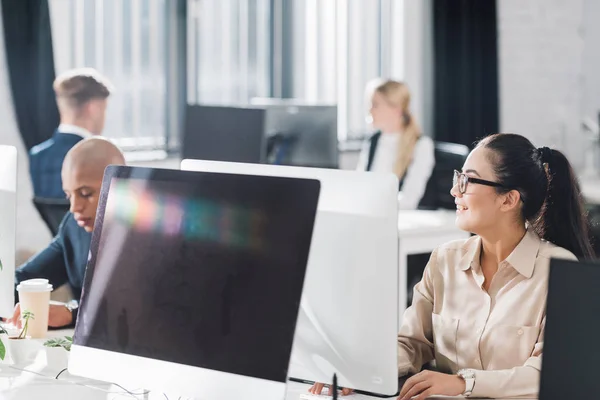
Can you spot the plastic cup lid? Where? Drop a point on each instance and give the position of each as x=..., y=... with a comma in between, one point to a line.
x=34, y=285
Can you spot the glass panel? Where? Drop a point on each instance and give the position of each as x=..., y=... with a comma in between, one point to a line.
x=228, y=50
x=124, y=40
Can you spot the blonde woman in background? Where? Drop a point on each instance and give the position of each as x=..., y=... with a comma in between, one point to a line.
x=398, y=146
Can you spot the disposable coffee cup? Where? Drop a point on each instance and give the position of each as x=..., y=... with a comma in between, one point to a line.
x=34, y=296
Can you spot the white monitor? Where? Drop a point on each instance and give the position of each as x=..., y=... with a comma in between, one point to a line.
x=194, y=282
x=349, y=313
x=8, y=218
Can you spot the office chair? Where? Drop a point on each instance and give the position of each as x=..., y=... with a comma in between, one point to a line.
x=448, y=157
x=52, y=211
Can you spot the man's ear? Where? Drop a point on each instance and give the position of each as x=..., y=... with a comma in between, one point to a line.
x=511, y=200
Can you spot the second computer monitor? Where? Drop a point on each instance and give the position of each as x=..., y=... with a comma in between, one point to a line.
x=282, y=132
x=348, y=318
x=219, y=133
x=301, y=135
x=570, y=359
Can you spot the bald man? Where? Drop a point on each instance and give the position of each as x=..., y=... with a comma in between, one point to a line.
x=65, y=259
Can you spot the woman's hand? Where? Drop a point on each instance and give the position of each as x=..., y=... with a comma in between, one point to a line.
x=317, y=388
x=429, y=383
x=16, y=318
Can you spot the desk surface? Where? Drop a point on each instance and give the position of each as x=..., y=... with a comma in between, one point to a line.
x=37, y=380
x=21, y=385
x=425, y=222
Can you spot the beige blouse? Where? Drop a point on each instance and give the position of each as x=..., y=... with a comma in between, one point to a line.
x=497, y=333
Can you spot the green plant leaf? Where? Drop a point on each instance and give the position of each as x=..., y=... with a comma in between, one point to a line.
x=59, y=342
x=27, y=315
x=2, y=350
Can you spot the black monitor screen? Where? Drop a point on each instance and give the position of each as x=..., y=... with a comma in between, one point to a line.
x=216, y=133
x=570, y=359
x=202, y=269
x=302, y=135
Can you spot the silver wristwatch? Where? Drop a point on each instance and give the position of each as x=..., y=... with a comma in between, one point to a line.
x=72, y=305
x=469, y=377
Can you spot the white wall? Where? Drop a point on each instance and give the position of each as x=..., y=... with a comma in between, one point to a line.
x=418, y=59
x=549, y=68
x=32, y=233
x=591, y=58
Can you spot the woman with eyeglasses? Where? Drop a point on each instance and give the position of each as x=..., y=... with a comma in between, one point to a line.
x=479, y=310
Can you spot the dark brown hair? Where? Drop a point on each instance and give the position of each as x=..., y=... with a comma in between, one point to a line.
x=552, y=201
x=78, y=86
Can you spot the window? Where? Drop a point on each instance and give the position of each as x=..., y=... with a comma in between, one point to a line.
x=315, y=50
x=339, y=46
x=125, y=41
x=228, y=50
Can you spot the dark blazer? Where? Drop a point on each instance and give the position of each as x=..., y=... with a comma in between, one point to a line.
x=428, y=201
x=373, y=142
x=45, y=164
x=63, y=261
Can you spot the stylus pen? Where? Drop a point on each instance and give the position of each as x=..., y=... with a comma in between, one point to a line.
x=334, y=386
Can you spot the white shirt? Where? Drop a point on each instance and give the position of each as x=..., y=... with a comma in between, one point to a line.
x=417, y=174
x=386, y=153
x=75, y=130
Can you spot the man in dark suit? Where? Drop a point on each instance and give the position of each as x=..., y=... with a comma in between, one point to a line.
x=65, y=258
x=81, y=95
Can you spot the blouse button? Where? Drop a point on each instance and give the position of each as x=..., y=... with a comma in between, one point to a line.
x=520, y=332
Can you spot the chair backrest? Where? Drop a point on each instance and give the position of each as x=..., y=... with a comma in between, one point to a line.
x=52, y=211
x=448, y=157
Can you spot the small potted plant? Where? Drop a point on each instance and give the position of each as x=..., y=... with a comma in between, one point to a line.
x=57, y=352
x=26, y=316
x=21, y=349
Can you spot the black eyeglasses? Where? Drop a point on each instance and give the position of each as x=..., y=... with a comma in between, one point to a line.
x=463, y=181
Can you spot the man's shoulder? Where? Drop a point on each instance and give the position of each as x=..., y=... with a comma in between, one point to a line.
x=57, y=146
x=69, y=226
x=70, y=231
x=40, y=149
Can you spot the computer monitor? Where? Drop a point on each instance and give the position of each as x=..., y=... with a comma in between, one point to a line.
x=8, y=218
x=570, y=358
x=224, y=133
x=300, y=134
x=348, y=321
x=194, y=282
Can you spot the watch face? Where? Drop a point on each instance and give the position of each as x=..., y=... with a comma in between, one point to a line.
x=72, y=305
x=466, y=374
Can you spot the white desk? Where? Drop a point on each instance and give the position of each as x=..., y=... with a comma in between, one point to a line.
x=36, y=380
x=21, y=385
x=421, y=232
x=294, y=390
